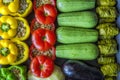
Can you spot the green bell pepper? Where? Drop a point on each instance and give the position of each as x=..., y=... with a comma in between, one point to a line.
x=5, y=74
x=19, y=72
x=13, y=73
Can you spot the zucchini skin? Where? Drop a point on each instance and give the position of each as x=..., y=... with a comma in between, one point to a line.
x=75, y=5
x=85, y=19
x=85, y=51
x=76, y=35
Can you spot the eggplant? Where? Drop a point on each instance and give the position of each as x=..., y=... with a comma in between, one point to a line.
x=78, y=70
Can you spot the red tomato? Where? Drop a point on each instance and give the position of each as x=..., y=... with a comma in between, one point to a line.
x=35, y=25
x=38, y=3
x=46, y=14
x=43, y=39
x=36, y=52
x=42, y=66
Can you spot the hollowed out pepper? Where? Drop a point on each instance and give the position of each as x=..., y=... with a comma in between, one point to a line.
x=36, y=25
x=19, y=72
x=15, y=7
x=36, y=52
x=23, y=30
x=8, y=27
x=38, y=3
x=25, y=7
x=23, y=52
x=14, y=27
x=8, y=52
x=13, y=73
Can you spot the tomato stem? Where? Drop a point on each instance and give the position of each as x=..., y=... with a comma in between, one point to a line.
x=41, y=67
x=43, y=38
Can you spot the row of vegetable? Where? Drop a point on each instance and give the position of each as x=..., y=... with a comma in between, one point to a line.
x=76, y=37
x=76, y=31
x=107, y=45
x=14, y=30
x=43, y=40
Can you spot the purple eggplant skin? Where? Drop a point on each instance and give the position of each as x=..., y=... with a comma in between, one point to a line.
x=78, y=70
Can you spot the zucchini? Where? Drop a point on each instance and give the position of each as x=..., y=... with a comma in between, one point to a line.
x=84, y=51
x=86, y=19
x=76, y=35
x=75, y=5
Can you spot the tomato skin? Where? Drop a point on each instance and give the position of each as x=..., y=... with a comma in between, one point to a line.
x=46, y=14
x=43, y=39
x=33, y=23
x=53, y=57
x=52, y=2
x=42, y=66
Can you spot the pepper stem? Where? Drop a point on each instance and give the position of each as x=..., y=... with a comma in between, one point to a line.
x=4, y=51
x=6, y=2
x=5, y=27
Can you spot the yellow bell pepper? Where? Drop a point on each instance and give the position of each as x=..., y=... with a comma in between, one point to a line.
x=8, y=52
x=14, y=27
x=15, y=7
x=9, y=6
x=23, y=52
x=24, y=13
x=8, y=27
x=23, y=31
